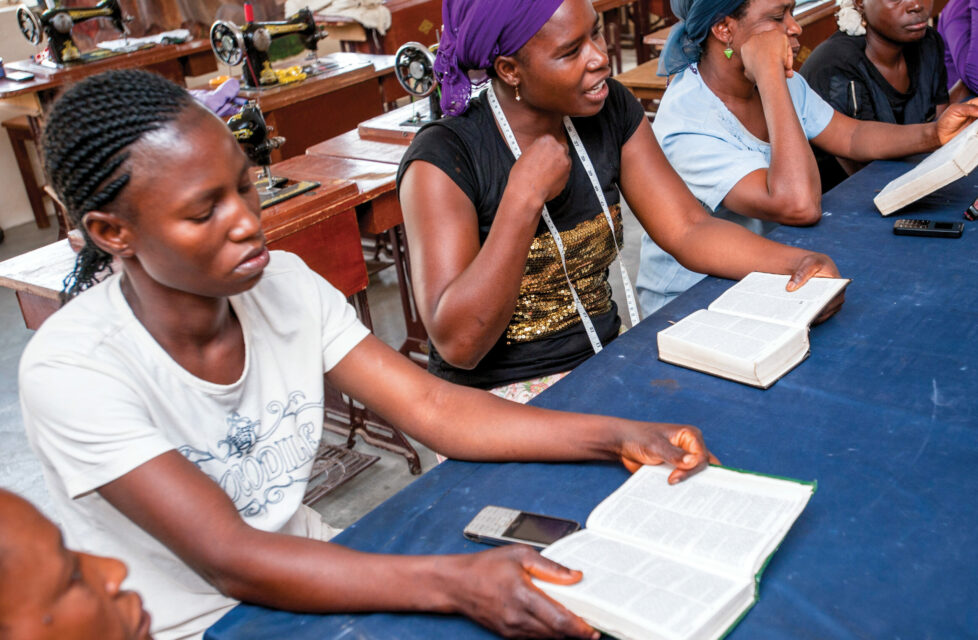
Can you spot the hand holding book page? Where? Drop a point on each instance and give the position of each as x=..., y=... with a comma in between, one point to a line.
x=754, y=333
x=676, y=561
x=954, y=160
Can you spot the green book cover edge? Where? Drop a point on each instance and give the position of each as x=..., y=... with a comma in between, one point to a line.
x=757, y=576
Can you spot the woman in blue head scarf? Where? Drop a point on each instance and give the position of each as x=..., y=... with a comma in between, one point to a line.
x=504, y=310
x=736, y=123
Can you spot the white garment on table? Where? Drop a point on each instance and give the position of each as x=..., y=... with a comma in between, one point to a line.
x=711, y=151
x=101, y=397
x=372, y=14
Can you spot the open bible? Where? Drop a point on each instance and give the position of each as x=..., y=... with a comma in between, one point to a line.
x=954, y=160
x=666, y=562
x=754, y=333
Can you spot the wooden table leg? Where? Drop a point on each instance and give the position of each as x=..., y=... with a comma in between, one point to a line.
x=19, y=132
x=35, y=309
x=639, y=14
x=612, y=36
x=415, y=345
x=384, y=216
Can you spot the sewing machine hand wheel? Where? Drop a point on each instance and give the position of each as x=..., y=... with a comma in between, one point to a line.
x=414, y=68
x=227, y=42
x=29, y=25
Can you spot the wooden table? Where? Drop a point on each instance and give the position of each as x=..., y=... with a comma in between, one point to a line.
x=382, y=215
x=351, y=145
x=325, y=105
x=644, y=82
x=173, y=61
x=36, y=278
x=391, y=127
x=657, y=39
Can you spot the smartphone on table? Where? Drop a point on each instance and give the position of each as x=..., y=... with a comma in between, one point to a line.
x=500, y=525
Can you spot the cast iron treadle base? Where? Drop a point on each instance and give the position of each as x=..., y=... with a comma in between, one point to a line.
x=334, y=465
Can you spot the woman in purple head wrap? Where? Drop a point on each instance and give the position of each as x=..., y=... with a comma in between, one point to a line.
x=507, y=306
x=737, y=124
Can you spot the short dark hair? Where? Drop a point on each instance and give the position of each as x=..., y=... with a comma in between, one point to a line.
x=85, y=142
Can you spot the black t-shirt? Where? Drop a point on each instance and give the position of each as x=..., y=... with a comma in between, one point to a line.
x=472, y=152
x=839, y=71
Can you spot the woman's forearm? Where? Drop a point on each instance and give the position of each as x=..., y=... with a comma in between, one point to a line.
x=792, y=177
x=298, y=574
x=721, y=248
x=880, y=140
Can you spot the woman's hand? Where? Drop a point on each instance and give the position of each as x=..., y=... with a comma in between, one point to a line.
x=543, y=169
x=494, y=589
x=817, y=265
x=680, y=445
x=955, y=118
x=768, y=50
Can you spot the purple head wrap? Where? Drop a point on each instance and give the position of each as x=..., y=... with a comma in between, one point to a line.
x=476, y=31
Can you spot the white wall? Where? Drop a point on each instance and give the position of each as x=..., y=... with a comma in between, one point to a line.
x=14, y=207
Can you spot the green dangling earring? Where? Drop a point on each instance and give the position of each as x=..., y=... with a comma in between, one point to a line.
x=728, y=51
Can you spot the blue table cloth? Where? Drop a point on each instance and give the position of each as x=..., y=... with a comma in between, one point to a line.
x=883, y=414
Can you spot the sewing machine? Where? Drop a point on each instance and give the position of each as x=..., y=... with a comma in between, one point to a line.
x=414, y=68
x=250, y=43
x=251, y=132
x=57, y=22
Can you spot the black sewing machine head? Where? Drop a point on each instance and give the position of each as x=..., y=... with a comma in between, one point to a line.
x=251, y=132
x=414, y=68
x=56, y=22
x=251, y=42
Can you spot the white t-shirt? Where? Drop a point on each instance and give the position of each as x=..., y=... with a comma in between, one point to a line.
x=711, y=151
x=100, y=397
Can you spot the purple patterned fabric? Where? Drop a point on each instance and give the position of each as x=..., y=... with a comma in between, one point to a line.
x=476, y=31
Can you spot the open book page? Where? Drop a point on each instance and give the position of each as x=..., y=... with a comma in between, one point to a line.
x=763, y=296
x=630, y=592
x=718, y=518
x=744, y=349
x=955, y=159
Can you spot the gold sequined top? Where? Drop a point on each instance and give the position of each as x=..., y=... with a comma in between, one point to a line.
x=545, y=305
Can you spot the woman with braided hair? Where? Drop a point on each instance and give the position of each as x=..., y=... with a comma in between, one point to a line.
x=190, y=387
x=80, y=166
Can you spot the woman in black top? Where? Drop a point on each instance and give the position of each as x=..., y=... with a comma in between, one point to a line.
x=888, y=69
x=489, y=282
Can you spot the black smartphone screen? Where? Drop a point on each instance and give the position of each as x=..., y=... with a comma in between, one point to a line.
x=540, y=529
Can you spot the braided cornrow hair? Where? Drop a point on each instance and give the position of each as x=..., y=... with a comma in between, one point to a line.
x=86, y=137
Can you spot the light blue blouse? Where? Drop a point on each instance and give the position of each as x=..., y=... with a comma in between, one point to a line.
x=712, y=151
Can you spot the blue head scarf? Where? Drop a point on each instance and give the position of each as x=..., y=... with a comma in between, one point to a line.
x=476, y=31
x=684, y=45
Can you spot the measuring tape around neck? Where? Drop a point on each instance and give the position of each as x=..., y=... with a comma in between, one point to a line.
x=578, y=145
